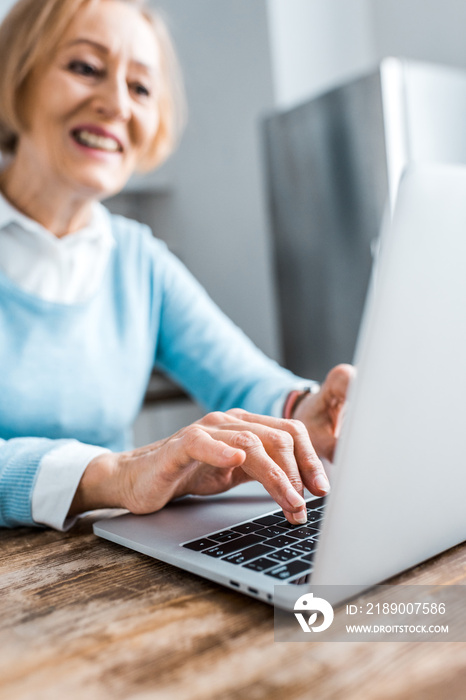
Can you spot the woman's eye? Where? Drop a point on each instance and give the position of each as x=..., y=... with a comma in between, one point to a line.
x=141, y=90
x=83, y=68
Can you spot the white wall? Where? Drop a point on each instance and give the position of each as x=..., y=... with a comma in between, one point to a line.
x=317, y=44
x=429, y=30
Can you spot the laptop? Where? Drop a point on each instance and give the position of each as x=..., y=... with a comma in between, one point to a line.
x=399, y=473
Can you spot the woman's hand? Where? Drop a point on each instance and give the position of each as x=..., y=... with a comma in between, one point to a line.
x=322, y=413
x=212, y=455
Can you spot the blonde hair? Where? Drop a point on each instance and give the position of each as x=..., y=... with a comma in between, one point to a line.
x=30, y=33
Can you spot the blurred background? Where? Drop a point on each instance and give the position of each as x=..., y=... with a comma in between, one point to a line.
x=297, y=132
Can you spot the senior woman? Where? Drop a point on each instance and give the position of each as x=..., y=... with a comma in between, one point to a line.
x=90, y=302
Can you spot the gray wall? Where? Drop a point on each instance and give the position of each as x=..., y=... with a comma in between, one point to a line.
x=217, y=212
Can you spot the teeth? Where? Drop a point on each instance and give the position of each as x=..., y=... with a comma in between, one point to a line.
x=104, y=143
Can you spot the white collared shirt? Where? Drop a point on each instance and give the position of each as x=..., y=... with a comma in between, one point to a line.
x=65, y=270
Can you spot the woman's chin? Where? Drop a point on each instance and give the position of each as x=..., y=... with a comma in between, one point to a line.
x=100, y=185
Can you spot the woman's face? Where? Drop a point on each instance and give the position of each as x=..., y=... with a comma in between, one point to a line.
x=92, y=112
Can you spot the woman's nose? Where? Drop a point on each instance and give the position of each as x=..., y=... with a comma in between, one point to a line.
x=113, y=99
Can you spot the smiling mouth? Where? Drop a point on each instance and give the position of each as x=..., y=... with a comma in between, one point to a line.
x=92, y=140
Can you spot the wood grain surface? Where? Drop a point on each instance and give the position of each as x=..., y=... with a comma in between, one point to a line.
x=84, y=618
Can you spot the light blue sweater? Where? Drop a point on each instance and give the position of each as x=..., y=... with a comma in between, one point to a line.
x=80, y=371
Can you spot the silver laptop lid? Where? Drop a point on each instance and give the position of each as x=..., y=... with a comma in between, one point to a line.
x=400, y=468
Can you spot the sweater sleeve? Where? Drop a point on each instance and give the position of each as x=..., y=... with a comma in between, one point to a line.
x=25, y=465
x=211, y=357
x=19, y=464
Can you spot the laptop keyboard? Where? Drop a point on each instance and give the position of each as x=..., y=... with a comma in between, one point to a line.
x=268, y=544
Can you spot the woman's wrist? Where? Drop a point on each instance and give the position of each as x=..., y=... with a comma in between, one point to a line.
x=296, y=397
x=99, y=486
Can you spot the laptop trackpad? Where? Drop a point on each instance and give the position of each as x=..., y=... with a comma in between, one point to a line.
x=194, y=516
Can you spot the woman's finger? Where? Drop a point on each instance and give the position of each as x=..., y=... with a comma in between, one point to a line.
x=310, y=467
x=278, y=444
x=334, y=390
x=273, y=433
x=263, y=468
x=195, y=443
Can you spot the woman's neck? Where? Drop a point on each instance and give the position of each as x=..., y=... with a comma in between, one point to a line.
x=59, y=211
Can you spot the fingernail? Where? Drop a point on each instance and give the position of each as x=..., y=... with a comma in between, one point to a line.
x=229, y=451
x=293, y=498
x=301, y=517
x=322, y=483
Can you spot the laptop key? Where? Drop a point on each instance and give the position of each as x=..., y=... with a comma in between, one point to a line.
x=272, y=531
x=225, y=536
x=314, y=516
x=303, y=533
x=315, y=503
x=285, y=554
x=305, y=545
x=225, y=548
x=280, y=518
x=246, y=528
x=267, y=520
x=281, y=541
x=244, y=555
x=287, y=570
x=261, y=564
x=199, y=545
x=289, y=527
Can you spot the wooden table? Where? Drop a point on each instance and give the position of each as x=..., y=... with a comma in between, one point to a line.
x=84, y=618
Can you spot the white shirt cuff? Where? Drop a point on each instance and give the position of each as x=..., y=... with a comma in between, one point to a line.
x=278, y=405
x=60, y=472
